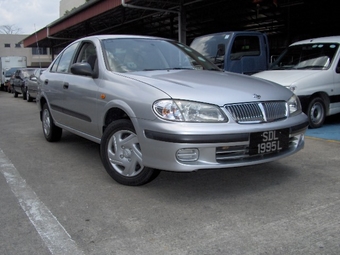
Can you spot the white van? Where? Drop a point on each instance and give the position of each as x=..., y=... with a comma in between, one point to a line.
x=311, y=69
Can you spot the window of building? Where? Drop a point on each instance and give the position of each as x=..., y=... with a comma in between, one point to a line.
x=18, y=45
x=7, y=45
x=39, y=51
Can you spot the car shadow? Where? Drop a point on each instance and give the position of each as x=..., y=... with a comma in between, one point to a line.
x=207, y=184
x=204, y=184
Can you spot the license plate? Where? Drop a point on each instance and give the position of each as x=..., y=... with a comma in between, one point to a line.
x=268, y=141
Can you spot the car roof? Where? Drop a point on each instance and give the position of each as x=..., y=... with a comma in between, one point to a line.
x=121, y=36
x=328, y=39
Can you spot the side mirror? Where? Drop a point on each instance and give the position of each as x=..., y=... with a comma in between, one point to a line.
x=83, y=68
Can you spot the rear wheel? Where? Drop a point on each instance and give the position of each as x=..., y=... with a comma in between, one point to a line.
x=52, y=133
x=122, y=156
x=316, y=112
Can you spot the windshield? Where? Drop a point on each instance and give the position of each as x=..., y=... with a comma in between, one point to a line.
x=10, y=72
x=128, y=55
x=208, y=45
x=27, y=73
x=306, y=56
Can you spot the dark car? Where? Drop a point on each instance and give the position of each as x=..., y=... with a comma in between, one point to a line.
x=20, y=78
x=31, y=84
x=9, y=77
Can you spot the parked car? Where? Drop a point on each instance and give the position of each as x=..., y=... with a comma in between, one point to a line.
x=9, y=77
x=31, y=84
x=20, y=78
x=311, y=69
x=156, y=104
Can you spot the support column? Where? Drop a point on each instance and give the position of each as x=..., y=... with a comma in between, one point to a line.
x=182, y=24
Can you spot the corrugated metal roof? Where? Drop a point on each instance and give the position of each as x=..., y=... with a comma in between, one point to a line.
x=278, y=18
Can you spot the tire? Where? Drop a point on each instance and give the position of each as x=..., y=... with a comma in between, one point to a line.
x=24, y=95
x=52, y=133
x=316, y=112
x=16, y=94
x=122, y=157
x=28, y=97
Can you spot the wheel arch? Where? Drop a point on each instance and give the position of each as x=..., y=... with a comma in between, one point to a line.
x=113, y=114
x=324, y=96
x=116, y=110
x=325, y=99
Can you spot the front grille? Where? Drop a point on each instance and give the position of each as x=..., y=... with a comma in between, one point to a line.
x=258, y=112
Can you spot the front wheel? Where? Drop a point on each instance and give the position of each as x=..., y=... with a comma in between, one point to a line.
x=52, y=133
x=316, y=113
x=122, y=156
x=28, y=96
x=23, y=94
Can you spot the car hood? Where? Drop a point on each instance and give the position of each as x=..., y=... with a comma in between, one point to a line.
x=211, y=86
x=286, y=77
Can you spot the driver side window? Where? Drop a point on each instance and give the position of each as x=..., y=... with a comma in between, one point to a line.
x=88, y=54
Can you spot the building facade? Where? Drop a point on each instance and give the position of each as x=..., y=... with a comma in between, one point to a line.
x=11, y=45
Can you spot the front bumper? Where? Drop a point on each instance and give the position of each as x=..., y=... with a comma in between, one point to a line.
x=186, y=151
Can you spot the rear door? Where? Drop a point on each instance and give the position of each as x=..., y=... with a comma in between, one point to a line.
x=53, y=83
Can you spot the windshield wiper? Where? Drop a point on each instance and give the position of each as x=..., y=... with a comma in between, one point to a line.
x=172, y=68
x=282, y=68
x=213, y=69
x=154, y=69
x=180, y=68
x=311, y=67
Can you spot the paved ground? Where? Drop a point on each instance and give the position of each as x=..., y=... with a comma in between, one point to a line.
x=56, y=198
x=330, y=131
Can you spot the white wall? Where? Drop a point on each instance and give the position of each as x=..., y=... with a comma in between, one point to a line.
x=68, y=5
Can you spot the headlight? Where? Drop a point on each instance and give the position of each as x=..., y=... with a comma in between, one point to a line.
x=188, y=111
x=294, y=106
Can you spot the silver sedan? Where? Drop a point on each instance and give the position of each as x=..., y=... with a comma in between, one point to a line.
x=156, y=104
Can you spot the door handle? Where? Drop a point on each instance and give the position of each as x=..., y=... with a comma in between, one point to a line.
x=65, y=86
x=46, y=81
